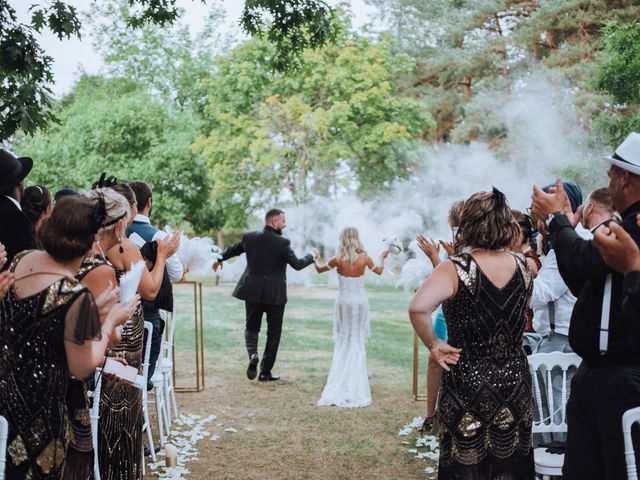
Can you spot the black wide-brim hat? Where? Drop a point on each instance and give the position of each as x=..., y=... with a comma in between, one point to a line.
x=13, y=169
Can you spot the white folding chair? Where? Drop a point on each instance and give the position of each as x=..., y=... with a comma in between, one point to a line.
x=628, y=419
x=4, y=433
x=159, y=394
x=146, y=426
x=95, y=417
x=160, y=404
x=550, y=464
x=165, y=366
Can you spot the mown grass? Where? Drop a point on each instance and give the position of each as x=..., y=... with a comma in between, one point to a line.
x=281, y=432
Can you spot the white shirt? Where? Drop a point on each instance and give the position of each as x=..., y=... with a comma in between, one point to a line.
x=549, y=287
x=174, y=266
x=17, y=203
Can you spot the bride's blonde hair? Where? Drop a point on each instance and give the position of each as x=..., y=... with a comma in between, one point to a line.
x=350, y=245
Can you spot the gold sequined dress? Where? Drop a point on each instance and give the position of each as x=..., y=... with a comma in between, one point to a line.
x=485, y=405
x=80, y=455
x=120, y=424
x=34, y=375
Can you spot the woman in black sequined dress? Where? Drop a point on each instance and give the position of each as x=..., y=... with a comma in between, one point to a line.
x=97, y=274
x=50, y=329
x=485, y=405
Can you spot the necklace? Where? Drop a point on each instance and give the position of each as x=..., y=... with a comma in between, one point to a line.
x=490, y=250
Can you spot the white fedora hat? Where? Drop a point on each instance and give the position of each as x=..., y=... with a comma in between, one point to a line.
x=627, y=155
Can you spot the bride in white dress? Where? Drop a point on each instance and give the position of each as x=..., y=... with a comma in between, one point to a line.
x=348, y=382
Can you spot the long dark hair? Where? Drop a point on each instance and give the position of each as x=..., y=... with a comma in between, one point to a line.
x=35, y=202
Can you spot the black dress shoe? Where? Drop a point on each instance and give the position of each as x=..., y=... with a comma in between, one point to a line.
x=268, y=378
x=252, y=369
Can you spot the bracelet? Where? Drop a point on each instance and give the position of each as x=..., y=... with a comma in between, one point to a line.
x=432, y=344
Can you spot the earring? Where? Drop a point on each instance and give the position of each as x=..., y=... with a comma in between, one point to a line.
x=121, y=250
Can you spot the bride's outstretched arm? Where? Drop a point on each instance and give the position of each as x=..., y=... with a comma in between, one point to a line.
x=324, y=267
x=378, y=269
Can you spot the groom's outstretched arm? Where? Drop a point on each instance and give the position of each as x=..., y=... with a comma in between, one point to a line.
x=233, y=251
x=293, y=260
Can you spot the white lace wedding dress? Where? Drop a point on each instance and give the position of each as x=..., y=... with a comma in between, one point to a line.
x=348, y=382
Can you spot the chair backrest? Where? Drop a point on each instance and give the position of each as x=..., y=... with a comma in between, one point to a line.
x=147, y=354
x=167, y=343
x=545, y=366
x=628, y=419
x=95, y=417
x=4, y=433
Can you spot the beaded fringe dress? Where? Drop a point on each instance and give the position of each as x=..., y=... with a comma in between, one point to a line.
x=80, y=455
x=120, y=423
x=34, y=376
x=485, y=404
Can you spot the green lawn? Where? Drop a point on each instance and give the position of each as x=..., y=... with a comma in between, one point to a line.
x=281, y=420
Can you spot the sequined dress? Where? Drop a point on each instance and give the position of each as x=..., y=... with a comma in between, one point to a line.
x=485, y=404
x=120, y=424
x=80, y=455
x=34, y=375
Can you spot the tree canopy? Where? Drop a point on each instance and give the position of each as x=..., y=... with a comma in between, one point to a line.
x=25, y=69
x=335, y=123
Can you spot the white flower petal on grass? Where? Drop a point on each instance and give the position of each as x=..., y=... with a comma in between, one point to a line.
x=215, y=438
x=231, y=430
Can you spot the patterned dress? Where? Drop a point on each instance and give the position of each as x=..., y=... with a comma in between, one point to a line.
x=80, y=455
x=486, y=405
x=120, y=424
x=34, y=375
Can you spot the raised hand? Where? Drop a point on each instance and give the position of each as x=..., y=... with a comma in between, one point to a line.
x=556, y=200
x=169, y=244
x=617, y=248
x=121, y=312
x=444, y=354
x=107, y=299
x=448, y=247
x=384, y=254
x=430, y=248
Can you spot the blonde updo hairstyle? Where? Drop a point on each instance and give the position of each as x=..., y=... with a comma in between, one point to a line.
x=486, y=222
x=116, y=217
x=350, y=245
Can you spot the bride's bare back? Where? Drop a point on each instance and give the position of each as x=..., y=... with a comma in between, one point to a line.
x=355, y=268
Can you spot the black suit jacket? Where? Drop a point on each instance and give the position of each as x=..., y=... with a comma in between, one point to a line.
x=584, y=271
x=265, y=278
x=16, y=230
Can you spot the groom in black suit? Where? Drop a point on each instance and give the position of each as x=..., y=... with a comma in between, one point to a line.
x=263, y=287
x=17, y=233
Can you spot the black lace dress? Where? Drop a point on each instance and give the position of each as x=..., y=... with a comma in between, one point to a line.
x=485, y=404
x=34, y=375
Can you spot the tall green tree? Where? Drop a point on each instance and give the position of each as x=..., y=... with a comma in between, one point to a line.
x=25, y=70
x=169, y=60
x=115, y=126
x=335, y=123
x=619, y=76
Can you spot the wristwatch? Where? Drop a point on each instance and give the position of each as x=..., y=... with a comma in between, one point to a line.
x=550, y=217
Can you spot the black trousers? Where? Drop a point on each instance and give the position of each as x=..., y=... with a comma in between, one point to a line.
x=153, y=316
x=595, y=445
x=274, y=330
